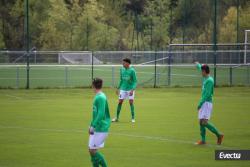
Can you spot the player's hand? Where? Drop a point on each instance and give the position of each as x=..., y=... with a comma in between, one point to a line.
x=131, y=93
x=196, y=62
x=91, y=130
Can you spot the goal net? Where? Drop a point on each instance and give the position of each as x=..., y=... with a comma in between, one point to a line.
x=77, y=58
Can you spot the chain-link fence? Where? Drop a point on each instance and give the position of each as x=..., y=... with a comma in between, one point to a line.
x=173, y=67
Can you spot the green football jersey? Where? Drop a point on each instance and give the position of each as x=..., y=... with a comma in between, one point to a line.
x=128, y=80
x=207, y=89
x=101, y=117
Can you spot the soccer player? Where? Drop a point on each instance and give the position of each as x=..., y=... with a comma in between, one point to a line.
x=126, y=88
x=205, y=105
x=99, y=127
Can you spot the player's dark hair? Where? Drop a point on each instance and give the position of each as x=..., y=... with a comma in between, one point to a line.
x=127, y=60
x=97, y=83
x=205, y=68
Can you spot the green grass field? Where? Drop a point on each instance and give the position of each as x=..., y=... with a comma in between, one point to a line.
x=45, y=128
x=63, y=76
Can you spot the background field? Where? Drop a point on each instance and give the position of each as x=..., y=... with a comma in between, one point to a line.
x=80, y=76
x=49, y=128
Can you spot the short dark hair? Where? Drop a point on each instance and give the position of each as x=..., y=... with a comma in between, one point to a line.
x=97, y=83
x=127, y=60
x=205, y=68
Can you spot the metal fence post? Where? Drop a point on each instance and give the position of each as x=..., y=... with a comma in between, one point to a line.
x=113, y=76
x=28, y=71
x=248, y=75
x=215, y=40
x=158, y=78
x=231, y=76
x=35, y=57
x=66, y=77
x=169, y=66
x=27, y=41
x=17, y=77
x=155, y=72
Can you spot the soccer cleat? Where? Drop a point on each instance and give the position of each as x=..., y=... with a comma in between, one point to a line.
x=220, y=139
x=133, y=121
x=200, y=143
x=114, y=120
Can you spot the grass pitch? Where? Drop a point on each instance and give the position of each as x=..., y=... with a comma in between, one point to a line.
x=49, y=128
x=80, y=76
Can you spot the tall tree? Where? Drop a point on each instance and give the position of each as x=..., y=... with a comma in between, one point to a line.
x=2, y=43
x=12, y=15
x=94, y=31
x=227, y=31
x=57, y=30
x=157, y=17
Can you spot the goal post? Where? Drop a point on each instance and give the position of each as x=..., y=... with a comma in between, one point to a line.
x=77, y=58
x=246, y=43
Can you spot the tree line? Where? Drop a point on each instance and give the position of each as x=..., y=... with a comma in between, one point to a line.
x=120, y=24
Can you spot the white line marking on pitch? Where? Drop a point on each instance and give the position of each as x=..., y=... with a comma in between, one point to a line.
x=170, y=140
x=120, y=134
x=15, y=97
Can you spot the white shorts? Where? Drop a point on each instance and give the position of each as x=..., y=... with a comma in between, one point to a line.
x=205, y=110
x=125, y=95
x=97, y=140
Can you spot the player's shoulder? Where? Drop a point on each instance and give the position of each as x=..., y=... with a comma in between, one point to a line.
x=210, y=79
x=100, y=96
x=132, y=68
x=122, y=68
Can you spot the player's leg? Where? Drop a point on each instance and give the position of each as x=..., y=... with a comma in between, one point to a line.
x=207, y=124
x=202, y=121
x=215, y=131
x=96, y=141
x=202, y=133
x=97, y=158
x=92, y=150
x=207, y=108
x=132, y=107
x=118, y=110
x=94, y=158
x=119, y=107
x=212, y=128
x=122, y=95
x=203, y=130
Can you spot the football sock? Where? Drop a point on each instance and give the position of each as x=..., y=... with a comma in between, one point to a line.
x=94, y=160
x=213, y=129
x=203, y=133
x=118, y=110
x=101, y=159
x=132, y=109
